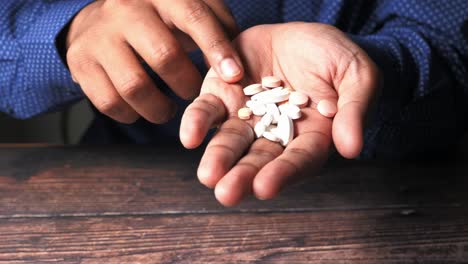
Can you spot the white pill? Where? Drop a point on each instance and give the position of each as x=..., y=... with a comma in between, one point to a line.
x=274, y=111
x=270, y=136
x=277, y=89
x=327, y=108
x=271, y=128
x=253, y=89
x=289, y=89
x=254, y=104
x=285, y=130
x=260, y=95
x=258, y=109
x=267, y=119
x=283, y=108
x=271, y=82
x=274, y=97
x=299, y=99
x=293, y=111
x=275, y=131
x=244, y=113
x=259, y=129
x=268, y=93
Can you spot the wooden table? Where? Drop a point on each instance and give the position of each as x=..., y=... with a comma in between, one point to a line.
x=144, y=205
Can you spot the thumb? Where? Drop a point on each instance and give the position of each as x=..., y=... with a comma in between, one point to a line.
x=355, y=93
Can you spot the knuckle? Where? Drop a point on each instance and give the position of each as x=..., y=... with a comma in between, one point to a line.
x=217, y=43
x=289, y=163
x=196, y=11
x=109, y=107
x=129, y=117
x=242, y=134
x=210, y=106
x=164, y=57
x=300, y=152
x=78, y=61
x=73, y=51
x=368, y=72
x=250, y=165
x=118, y=3
x=132, y=87
x=264, y=153
x=233, y=131
x=121, y=11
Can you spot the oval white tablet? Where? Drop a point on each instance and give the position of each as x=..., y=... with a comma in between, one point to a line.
x=259, y=129
x=258, y=96
x=253, y=89
x=275, y=131
x=293, y=111
x=267, y=119
x=258, y=109
x=283, y=108
x=274, y=111
x=285, y=129
x=274, y=97
x=270, y=136
x=254, y=104
x=277, y=89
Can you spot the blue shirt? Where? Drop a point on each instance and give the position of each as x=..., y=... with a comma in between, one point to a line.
x=421, y=46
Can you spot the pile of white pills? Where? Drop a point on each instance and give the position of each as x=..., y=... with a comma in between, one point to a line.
x=277, y=106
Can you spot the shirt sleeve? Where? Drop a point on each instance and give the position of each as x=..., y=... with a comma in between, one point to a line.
x=33, y=78
x=256, y=12
x=421, y=48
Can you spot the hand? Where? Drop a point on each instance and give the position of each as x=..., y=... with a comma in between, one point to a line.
x=315, y=59
x=107, y=39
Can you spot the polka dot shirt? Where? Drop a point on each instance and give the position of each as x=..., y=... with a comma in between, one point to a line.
x=421, y=48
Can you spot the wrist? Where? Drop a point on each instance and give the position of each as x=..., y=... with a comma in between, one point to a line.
x=74, y=28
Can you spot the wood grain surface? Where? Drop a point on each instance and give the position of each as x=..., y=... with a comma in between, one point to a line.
x=125, y=204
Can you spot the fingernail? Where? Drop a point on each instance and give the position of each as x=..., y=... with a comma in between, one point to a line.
x=229, y=67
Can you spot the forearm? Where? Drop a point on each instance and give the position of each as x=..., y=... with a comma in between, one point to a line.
x=34, y=78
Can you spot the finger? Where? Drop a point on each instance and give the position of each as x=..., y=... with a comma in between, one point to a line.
x=237, y=183
x=199, y=21
x=355, y=94
x=348, y=129
x=305, y=155
x=224, y=150
x=134, y=85
x=199, y=117
x=231, y=95
x=100, y=91
x=225, y=16
x=154, y=42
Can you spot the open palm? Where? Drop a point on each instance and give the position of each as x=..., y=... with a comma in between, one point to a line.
x=315, y=59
